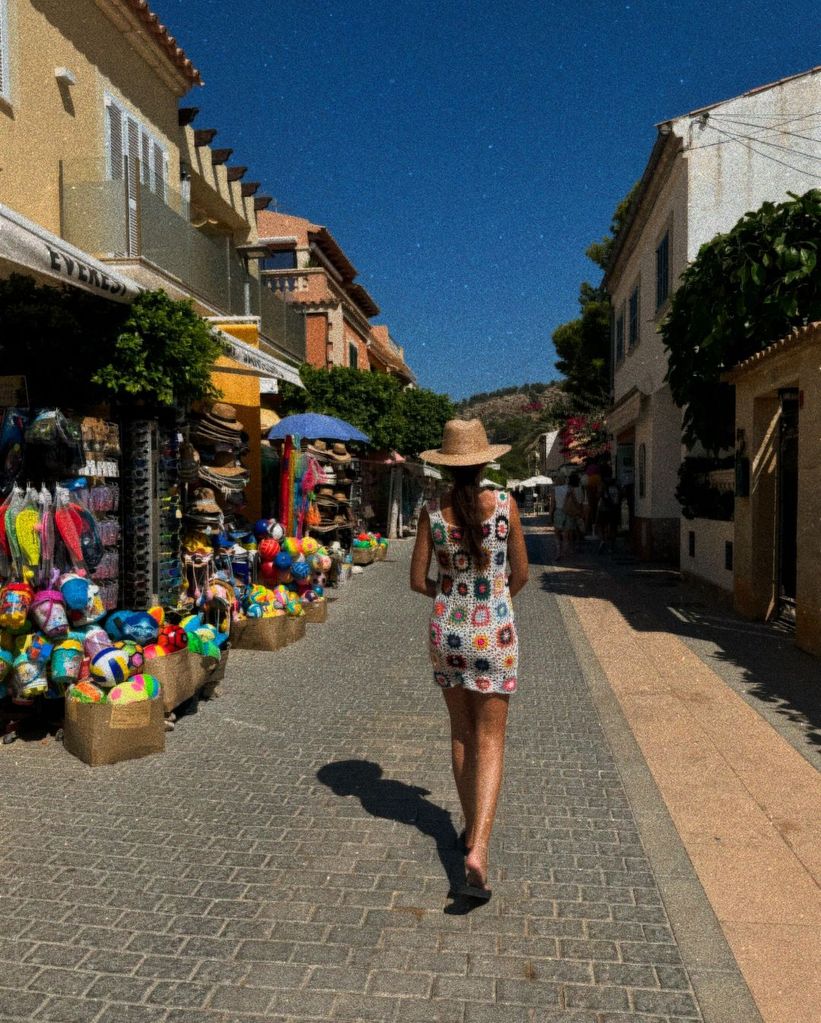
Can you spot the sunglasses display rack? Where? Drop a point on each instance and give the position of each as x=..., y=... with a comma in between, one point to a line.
x=138, y=494
x=168, y=512
x=101, y=442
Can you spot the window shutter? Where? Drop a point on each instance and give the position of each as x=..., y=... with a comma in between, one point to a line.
x=145, y=159
x=159, y=170
x=133, y=186
x=115, y=142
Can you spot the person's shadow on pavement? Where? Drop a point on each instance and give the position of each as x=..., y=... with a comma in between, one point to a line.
x=396, y=801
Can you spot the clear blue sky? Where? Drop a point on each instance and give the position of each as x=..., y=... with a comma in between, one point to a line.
x=465, y=153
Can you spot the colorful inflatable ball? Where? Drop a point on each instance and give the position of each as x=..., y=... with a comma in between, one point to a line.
x=85, y=692
x=135, y=690
x=110, y=667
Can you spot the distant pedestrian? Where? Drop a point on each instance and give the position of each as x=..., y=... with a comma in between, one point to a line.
x=476, y=536
x=608, y=516
x=568, y=514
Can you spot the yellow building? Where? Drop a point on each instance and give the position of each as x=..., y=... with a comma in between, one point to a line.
x=105, y=182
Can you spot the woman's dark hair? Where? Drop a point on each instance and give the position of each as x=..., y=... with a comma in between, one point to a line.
x=573, y=479
x=466, y=508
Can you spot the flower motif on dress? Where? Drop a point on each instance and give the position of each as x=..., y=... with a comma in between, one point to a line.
x=509, y=685
x=498, y=585
x=462, y=589
x=502, y=527
x=458, y=615
x=501, y=609
x=481, y=588
x=481, y=664
x=438, y=533
x=503, y=497
x=439, y=608
x=461, y=561
x=447, y=584
x=509, y=661
x=454, y=641
x=481, y=641
x=441, y=679
x=435, y=634
x=443, y=558
x=481, y=616
x=483, y=684
x=505, y=636
x=456, y=534
x=486, y=530
x=499, y=558
x=457, y=661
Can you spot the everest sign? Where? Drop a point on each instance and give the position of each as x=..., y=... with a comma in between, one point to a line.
x=25, y=245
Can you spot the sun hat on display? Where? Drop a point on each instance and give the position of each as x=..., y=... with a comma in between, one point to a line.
x=205, y=502
x=223, y=417
x=339, y=453
x=464, y=442
x=319, y=448
x=341, y=498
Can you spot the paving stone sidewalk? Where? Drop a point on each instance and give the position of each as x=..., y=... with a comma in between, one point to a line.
x=289, y=857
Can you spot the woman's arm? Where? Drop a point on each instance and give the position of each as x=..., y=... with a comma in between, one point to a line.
x=516, y=552
x=420, y=562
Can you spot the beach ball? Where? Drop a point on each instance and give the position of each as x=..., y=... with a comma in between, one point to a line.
x=135, y=653
x=309, y=546
x=262, y=527
x=301, y=569
x=255, y=611
x=308, y=597
x=277, y=532
x=268, y=571
x=322, y=563
x=283, y=560
x=135, y=690
x=172, y=638
x=95, y=640
x=292, y=546
x=110, y=667
x=85, y=692
x=153, y=650
x=268, y=549
x=281, y=596
x=319, y=591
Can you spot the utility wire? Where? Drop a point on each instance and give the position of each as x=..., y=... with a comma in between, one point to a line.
x=741, y=139
x=773, y=128
x=759, y=138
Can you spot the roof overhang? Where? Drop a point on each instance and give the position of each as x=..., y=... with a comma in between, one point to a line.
x=331, y=249
x=252, y=361
x=25, y=247
x=625, y=412
x=798, y=339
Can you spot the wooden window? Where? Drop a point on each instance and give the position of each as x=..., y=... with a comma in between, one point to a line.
x=619, y=336
x=633, y=319
x=5, y=69
x=353, y=356
x=663, y=270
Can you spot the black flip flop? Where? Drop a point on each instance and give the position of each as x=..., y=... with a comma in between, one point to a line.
x=472, y=891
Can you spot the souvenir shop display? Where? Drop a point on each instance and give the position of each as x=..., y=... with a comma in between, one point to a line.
x=367, y=548
x=331, y=515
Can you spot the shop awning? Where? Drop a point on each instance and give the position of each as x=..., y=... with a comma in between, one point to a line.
x=256, y=363
x=25, y=246
x=625, y=412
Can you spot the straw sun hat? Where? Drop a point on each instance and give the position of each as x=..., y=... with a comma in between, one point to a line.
x=464, y=442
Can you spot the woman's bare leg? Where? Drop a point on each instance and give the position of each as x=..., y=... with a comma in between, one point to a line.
x=463, y=752
x=490, y=722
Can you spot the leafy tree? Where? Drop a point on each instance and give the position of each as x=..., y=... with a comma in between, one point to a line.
x=409, y=421
x=583, y=344
x=744, y=290
x=164, y=353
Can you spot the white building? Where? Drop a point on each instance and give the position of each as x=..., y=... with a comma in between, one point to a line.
x=706, y=170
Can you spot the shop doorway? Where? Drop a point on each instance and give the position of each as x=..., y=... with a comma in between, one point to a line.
x=787, y=526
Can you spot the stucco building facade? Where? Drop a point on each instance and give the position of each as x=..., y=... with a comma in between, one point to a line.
x=707, y=169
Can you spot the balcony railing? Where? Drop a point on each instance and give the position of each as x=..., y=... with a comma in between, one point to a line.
x=110, y=220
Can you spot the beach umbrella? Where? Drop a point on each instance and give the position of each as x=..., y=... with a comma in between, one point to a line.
x=313, y=426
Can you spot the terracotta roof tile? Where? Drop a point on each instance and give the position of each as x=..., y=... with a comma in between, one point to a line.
x=165, y=40
x=809, y=332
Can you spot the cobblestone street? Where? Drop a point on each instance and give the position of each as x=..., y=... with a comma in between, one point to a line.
x=289, y=857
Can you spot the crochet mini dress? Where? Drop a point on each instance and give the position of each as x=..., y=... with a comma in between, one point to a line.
x=473, y=640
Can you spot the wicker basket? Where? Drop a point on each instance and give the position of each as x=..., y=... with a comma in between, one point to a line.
x=317, y=612
x=380, y=552
x=362, y=555
x=294, y=628
x=260, y=633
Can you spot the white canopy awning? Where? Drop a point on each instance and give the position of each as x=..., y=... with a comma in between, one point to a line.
x=256, y=363
x=25, y=246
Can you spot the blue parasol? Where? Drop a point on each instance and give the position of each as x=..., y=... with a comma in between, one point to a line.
x=313, y=426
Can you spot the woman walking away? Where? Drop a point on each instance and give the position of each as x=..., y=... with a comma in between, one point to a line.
x=477, y=538
x=568, y=514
